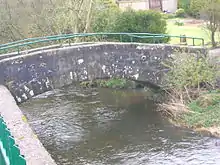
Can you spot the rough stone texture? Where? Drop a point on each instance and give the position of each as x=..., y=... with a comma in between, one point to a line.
x=30, y=146
x=34, y=73
x=215, y=58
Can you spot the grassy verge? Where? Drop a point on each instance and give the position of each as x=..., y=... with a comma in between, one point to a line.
x=204, y=111
x=191, y=30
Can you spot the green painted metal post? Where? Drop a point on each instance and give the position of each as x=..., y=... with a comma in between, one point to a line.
x=18, y=50
x=193, y=42
x=120, y=38
x=154, y=39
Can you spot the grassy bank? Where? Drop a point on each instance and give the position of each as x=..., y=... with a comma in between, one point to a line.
x=193, y=95
x=202, y=114
x=204, y=111
x=190, y=27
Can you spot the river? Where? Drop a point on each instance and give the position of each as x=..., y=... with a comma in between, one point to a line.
x=113, y=127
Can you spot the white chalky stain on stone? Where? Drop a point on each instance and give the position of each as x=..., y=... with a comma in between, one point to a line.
x=136, y=76
x=26, y=88
x=24, y=96
x=85, y=72
x=71, y=75
x=47, y=83
x=80, y=61
x=31, y=93
x=103, y=68
x=18, y=99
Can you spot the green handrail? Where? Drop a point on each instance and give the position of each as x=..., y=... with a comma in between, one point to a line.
x=9, y=151
x=31, y=41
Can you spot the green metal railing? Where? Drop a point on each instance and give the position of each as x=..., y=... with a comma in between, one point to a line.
x=29, y=42
x=9, y=151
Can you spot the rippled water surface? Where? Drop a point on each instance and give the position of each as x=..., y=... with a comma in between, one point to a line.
x=113, y=127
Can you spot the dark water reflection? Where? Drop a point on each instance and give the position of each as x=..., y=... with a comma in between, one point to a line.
x=106, y=127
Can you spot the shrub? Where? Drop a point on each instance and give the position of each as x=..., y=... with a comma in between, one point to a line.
x=190, y=71
x=184, y=4
x=168, y=16
x=179, y=23
x=140, y=22
x=180, y=13
x=195, y=7
x=104, y=18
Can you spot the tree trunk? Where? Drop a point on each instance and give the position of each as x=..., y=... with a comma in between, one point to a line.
x=213, y=39
x=161, y=5
x=88, y=17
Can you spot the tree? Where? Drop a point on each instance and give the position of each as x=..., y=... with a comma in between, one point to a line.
x=195, y=7
x=105, y=14
x=140, y=22
x=211, y=10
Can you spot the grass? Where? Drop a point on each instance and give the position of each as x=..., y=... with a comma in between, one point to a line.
x=205, y=111
x=191, y=30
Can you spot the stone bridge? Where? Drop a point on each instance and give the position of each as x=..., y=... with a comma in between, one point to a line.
x=40, y=70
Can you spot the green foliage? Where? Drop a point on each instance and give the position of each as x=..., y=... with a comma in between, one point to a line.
x=104, y=16
x=168, y=16
x=115, y=83
x=180, y=13
x=179, y=23
x=211, y=11
x=190, y=71
x=205, y=111
x=140, y=22
x=184, y=4
x=196, y=7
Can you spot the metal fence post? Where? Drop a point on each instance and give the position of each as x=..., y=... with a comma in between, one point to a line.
x=193, y=41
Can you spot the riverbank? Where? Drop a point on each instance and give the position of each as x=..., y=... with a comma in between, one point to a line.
x=194, y=100
x=201, y=114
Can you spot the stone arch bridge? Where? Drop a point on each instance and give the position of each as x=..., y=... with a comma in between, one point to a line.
x=39, y=70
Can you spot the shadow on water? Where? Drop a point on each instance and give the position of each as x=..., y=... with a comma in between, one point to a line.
x=112, y=127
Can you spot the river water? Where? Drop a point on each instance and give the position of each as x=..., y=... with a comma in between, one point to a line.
x=113, y=127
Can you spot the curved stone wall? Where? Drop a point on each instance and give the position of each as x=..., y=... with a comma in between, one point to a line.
x=30, y=74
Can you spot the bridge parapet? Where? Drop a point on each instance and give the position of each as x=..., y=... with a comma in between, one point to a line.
x=18, y=139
